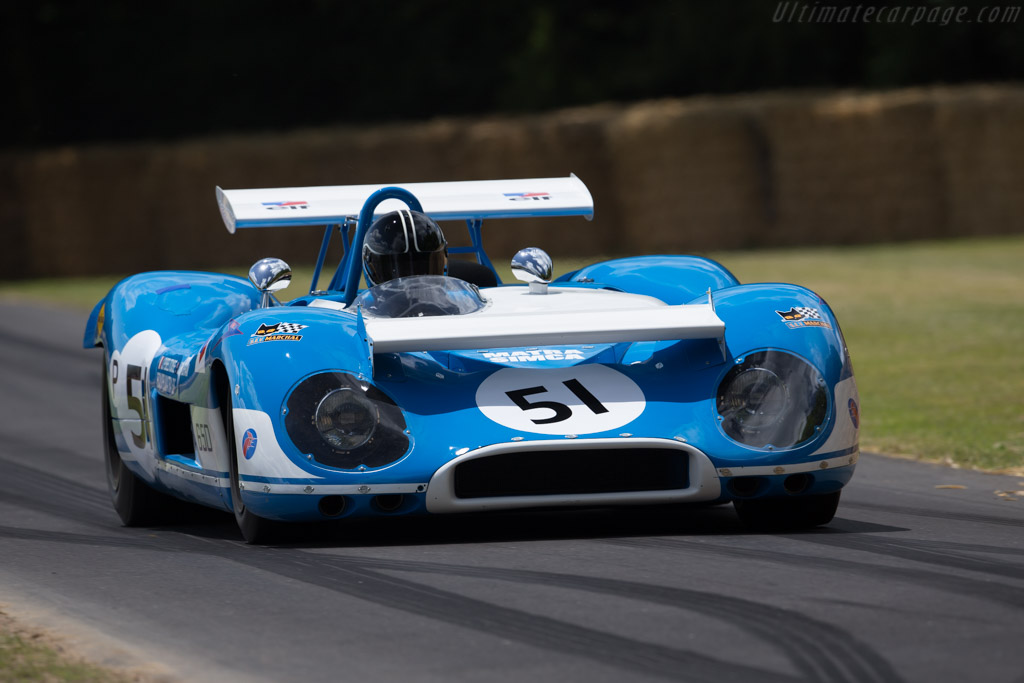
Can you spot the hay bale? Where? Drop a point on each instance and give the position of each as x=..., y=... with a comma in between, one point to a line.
x=685, y=175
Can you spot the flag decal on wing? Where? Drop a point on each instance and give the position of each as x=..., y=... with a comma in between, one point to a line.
x=803, y=316
x=279, y=206
x=277, y=332
x=527, y=196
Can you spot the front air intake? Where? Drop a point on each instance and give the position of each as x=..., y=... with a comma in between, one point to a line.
x=572, y=472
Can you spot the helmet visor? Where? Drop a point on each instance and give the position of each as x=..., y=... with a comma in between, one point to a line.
x=384, y=267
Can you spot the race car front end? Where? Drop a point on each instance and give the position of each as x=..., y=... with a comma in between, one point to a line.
x=616, y=423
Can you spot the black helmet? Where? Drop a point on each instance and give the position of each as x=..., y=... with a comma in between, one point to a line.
x=403, y=243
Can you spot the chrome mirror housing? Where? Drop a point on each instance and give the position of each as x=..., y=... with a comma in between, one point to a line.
x=269, y=275
x=534, y=266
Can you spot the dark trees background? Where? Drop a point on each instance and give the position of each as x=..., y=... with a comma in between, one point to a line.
x=121, y=70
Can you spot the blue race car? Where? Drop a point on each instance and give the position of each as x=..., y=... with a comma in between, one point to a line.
x=436, y=389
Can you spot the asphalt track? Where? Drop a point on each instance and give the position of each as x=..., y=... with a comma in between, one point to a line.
x=913, y=581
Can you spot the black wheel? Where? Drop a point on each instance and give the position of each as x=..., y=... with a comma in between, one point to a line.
x=136, y=503
x=255, y=530
x=787, y=514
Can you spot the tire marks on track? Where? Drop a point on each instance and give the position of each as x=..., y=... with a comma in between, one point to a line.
x=947, y=556
x=997, y=593
x=934, y=513
x=817, y=651
x=364, y=580
x=33, y=489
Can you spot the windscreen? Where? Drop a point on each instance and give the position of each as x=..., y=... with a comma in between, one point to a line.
x=420, y=295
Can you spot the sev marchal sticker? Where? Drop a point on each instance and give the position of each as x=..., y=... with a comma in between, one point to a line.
x=803, y=316
x=277, y=332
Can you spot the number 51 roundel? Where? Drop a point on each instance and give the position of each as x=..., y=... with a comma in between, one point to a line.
x=583, y=399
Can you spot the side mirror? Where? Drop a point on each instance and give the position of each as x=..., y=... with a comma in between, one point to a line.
x=269, y=275
x=533, y=265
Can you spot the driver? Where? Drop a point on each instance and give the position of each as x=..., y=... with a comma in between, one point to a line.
x=403, y=243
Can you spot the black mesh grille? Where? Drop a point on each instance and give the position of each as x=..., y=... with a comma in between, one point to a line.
x=569, y=472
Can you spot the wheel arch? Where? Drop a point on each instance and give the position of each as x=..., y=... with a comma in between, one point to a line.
x=675, y=279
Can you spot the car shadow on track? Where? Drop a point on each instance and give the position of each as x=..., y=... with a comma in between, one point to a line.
x=504, y=527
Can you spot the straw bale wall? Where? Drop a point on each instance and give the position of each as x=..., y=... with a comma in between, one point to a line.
x=668, y=176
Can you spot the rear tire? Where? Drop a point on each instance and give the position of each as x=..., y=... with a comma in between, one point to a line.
x=135, y=502
x=255, y=530
x=787, y=514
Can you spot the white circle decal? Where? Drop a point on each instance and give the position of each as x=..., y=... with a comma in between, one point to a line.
x=582, y=399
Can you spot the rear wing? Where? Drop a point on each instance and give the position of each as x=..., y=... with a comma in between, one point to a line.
x=341, y=207
x=451, y=333
x=472, y=200
x=476, y=332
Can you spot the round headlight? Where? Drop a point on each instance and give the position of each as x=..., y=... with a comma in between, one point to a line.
x=345, y=419
x=772, y=399
x=756, y=399
x=340, y=421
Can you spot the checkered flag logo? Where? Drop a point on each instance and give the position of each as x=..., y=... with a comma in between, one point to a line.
x=290, y=328
x=800, y=313
x=280, y=328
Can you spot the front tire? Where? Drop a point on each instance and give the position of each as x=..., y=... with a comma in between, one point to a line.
x=135, y=502
x=255, y=530
x=788, y=514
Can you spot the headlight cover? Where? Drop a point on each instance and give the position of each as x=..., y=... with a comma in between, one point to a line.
x=772, y=399
x=346, y=419
x=344, y=422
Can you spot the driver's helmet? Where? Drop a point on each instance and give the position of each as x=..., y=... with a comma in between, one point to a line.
x=403, y=243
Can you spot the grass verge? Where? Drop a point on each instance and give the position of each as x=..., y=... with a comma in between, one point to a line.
x=33, y=657
x=935, y=329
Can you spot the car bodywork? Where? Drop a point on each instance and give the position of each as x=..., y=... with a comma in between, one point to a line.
x=641, y=380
